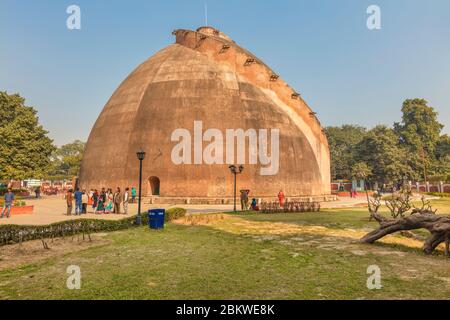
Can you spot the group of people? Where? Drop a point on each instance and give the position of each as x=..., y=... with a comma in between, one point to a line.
x=104, y=202
x=254, y=204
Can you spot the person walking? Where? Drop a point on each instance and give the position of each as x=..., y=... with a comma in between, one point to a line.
x=9, y=199
x=126, y=199
x=117, y=199
x=69, y=201
x=133, y=195
x=78, y=195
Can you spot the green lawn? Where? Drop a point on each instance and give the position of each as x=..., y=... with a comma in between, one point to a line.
x=237, y=257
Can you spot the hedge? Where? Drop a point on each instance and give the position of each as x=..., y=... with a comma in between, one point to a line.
x=439, y=194
x=10, y=234
x=174, y=213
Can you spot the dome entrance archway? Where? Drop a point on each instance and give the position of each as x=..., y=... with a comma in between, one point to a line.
x=154, y=186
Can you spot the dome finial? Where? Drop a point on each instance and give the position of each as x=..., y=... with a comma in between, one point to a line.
x=206, y=14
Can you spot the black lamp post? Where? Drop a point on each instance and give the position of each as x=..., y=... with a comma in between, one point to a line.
x=141, y=156
x=235, y=170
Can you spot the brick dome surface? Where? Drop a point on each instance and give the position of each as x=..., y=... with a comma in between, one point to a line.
x=204, y=77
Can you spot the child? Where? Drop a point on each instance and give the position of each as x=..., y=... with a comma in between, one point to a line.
x=254, y=204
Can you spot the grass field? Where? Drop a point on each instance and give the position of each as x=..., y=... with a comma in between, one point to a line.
x=226, y=256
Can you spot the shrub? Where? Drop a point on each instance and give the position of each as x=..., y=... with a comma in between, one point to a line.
x=17, y=203
x=174, y=213
x=16, y=234
x=439, y=194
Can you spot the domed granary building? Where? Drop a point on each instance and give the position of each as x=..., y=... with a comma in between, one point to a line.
x=196, y=107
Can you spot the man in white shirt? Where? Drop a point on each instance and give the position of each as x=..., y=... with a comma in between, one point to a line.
x=85, y=201
x=126, y=199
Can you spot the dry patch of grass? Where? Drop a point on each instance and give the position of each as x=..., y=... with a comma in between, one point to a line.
x=31, y=252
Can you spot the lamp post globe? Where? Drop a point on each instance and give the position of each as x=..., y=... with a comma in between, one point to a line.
x=141, y=155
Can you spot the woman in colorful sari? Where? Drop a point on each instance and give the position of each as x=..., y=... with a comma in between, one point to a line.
x=109, y=202
x=101, y=202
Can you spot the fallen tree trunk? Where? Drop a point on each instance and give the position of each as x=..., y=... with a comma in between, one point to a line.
x=438, y=226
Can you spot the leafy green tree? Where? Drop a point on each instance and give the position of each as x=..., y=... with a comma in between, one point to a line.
x=442, y=150
x=342, y=141
x=419, y=132
x=442, y=154
x=361, y=170
x=380, y=151
x=66, y=160
x=25, y=147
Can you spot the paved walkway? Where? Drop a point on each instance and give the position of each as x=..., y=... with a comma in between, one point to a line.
x=52, y=209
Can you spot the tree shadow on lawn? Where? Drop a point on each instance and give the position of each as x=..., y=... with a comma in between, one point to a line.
x=309, y=229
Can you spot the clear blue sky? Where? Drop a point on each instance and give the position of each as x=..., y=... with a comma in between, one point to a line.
x=345, y=72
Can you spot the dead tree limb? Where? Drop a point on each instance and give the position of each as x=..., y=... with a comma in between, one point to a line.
x=438, y=226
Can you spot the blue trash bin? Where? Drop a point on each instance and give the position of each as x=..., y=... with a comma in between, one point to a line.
x=156, y=218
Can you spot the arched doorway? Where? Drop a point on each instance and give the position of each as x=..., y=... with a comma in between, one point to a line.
x=154, y=185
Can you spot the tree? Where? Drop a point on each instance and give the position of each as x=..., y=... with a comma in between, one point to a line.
x=361, y=170
x=342, y=141
x=25, y=147
x=66, y=160
x=419, y=218
x=442, y=154
x=442, y=150
x=419, y=132
x=380, y=151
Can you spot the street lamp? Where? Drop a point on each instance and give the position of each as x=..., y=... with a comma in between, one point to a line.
x=235, y=170
x=141, y=156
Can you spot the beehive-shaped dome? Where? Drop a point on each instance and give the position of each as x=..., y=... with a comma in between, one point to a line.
x=205, y=81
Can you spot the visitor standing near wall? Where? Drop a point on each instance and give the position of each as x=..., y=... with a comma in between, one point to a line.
x=117, y=200
x=254, y=204
x=95, y=196
x=133, y=195
x=101, y=202
x=91, y=197
x=78, y=195
x=109, y=202
x=244, y=199
x=37, y=191
x=9, y=199
x=85, y=201
x=69, y=201
x=281, y=198
x=126, y=199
